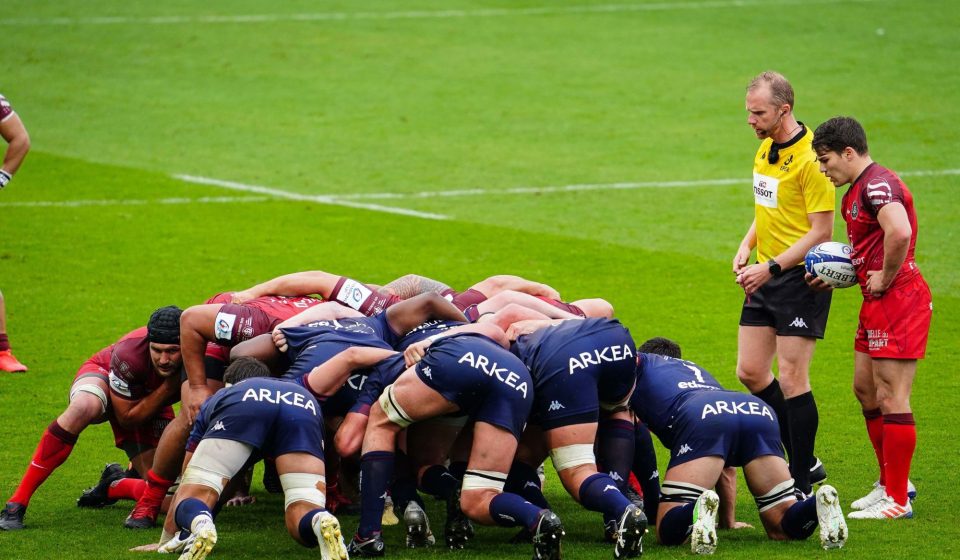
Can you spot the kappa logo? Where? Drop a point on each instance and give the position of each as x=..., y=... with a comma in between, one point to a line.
x=555, y=405
x=609, y=487
x=531, y=484
x=426, y=371
x=799, y=323
x=616, y=476
x=684, y=449
x=218, y=426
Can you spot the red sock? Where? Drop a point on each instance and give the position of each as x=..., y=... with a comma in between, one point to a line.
x=54, y=448
x=4, y=342
x=127, y=489
x=874, y=420
x=900, y=438
x=155, y=489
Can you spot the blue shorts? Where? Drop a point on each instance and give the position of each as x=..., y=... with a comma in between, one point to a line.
x=587, y=370
x=735, y=426
x=485, y=381
x=293, y=427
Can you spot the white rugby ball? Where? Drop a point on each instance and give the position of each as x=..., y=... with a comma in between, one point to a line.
x=831, y=263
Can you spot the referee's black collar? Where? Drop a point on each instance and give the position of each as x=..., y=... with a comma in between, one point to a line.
x=794, y=140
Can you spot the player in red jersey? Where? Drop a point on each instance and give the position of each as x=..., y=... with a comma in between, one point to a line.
x=18, y=144
x=897, y=307
x=143, y=369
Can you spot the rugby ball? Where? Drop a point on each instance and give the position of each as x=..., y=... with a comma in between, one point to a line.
x=831, y=263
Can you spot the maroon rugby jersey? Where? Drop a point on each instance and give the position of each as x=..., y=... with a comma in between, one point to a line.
x=5, y=109
x=876, y=187
x=282, y=307
x=132, y=375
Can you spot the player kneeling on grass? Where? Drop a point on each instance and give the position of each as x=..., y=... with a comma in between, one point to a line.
x=269, y=416
x=707, y=428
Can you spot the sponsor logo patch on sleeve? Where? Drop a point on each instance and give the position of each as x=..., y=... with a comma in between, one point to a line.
x=119, y=386
x=223, y=326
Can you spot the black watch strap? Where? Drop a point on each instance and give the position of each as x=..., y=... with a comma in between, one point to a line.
x=774, y=267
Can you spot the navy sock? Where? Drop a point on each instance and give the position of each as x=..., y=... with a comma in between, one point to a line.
x=525, y=481
x=188, y=509
x=376, y=469
x=510, y=510
x=800, y=520
x=676, y=525
x=437, y=481
x=305, y=527
x=645, y=469
x=599, y=492
x=615, y=448
x=804, y=420
x=773, y=396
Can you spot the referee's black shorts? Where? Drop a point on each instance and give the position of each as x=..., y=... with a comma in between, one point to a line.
x=788, y=305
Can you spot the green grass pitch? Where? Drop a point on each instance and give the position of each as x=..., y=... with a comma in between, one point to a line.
x=480, y=112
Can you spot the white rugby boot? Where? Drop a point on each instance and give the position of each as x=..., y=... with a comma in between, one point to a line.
x=329, y=536
x=703, y=539
x=204, y=534
x=886, y=508
x=833, y=528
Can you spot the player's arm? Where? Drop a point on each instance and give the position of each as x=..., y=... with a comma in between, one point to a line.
x=411, y=285
x=329, y=376
x=530, y=326
x=897, y=232
x=415, y=352
x=295, y=284
x=326, y=311
x=410, y=313
x=749, y=241
x=727, y=491
x=508, y=297
x=821, y=229
x=495, y=284
x=196, y=328
x=18, y=144
x=132, y=413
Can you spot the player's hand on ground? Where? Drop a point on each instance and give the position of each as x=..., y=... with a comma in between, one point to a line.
x=152, y=547
x=241, y=500
x=279, y=339
x=736, y=525
x=194, y=398
x=415, y=352
x=816, y=283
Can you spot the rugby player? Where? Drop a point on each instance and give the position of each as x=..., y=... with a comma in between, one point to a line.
x=706, y=428
x=264, y=416
x=131, y=384
x=896, y=311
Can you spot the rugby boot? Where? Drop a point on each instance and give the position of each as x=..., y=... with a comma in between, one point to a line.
x=389, y=517
x=329, y=536
x=369, y=547
x=878, y=493
x=418, y=526
x=547, y=537
x=97, y=496
x=833, y=528
x=10, y=363
x=703, y=539
x=143, y=516
x=629, y=534
x=204, y=534
x=818, y=474
x=11, y=518
x=886, y=508
x=458, y=529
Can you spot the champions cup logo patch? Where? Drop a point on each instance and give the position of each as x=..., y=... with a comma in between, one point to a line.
x=353, y=294
x=119, y=385
x=223, y=326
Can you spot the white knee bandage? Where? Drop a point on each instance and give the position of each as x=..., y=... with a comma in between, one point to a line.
x=303, y=487
x=782, y=492
x=91, y=389
x=393, y=411
x=680, y=492
x=570, y=456
x=215, y=462
x=482, y=480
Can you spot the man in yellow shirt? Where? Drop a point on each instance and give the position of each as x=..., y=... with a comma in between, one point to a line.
x=781, y=316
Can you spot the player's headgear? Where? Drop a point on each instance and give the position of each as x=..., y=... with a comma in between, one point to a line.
x=164, y=325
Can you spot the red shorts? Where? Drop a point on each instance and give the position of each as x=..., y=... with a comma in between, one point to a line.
x=896, y=325
x=463, y=300
x=91, y=368
x=144, y=437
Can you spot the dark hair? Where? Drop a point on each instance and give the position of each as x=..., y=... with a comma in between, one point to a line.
x=781, y=92
x=164, y=325
x=245, y=367
x=839, y=133
x=662, y=346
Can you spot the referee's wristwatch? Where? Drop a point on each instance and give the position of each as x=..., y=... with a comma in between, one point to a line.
x=775, y=269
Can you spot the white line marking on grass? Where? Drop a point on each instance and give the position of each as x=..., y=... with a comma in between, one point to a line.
x=594, y=187
x=418, y=14
x=319, y=199
x=133, y=202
